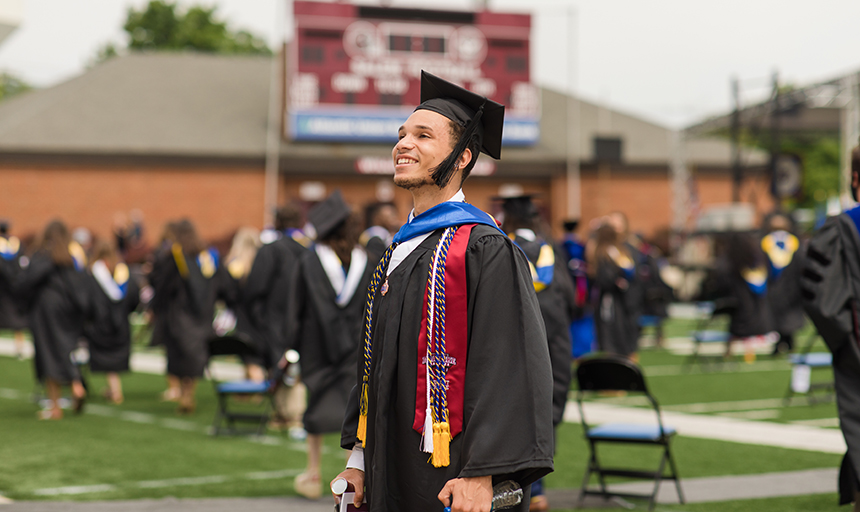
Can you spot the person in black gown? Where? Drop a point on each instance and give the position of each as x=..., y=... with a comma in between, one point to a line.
x=614, y=275
x=785, y=261
x=113, y=296
x=556, y=297
x=12, y=314
x=466, y=381
x=188, y=286
x=327, y=315
x=55, y=284
x=157, y=308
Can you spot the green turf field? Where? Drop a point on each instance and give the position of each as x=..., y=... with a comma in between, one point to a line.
x=141, y=449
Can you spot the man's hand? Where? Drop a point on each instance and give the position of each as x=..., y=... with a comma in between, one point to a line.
x=355, y=483
x=468, y=494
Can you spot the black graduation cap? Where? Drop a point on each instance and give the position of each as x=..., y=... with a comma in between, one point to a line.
x=475, y=113
x=519, y=207
x=327, y=215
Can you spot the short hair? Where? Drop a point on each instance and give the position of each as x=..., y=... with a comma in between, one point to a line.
x=288, y=216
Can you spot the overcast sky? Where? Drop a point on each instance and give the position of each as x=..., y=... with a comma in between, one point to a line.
x=669, y=61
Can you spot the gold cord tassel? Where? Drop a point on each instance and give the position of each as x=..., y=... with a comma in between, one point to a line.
x=441, y=444
x=362, y=417
x=179, y=258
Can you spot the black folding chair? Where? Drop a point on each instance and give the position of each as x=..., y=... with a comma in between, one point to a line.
x=706, y=335
x=227, y=391
x=614, y=374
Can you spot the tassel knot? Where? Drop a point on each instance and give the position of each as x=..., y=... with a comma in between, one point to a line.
x=441, y=444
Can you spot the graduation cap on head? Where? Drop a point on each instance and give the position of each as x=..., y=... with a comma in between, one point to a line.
x=479, y=116
x=519, y=207
x=329, y=214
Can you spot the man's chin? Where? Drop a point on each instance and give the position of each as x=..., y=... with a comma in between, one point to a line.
x=412, y=182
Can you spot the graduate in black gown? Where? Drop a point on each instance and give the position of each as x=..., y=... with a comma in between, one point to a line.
x=55, y=284
x=454, y=387
x=266, y=302
x=12, y=313
x=189, y=287
x=830, y=287
x=556, y=297
x=614, y=276
x=327, y=313
x=785, y=261
x=113, y=296
x=160, y=265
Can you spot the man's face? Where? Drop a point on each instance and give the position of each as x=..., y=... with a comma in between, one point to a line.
x=425, y=141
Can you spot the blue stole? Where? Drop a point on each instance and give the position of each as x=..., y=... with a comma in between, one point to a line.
x=445, y=215
x=854, y=215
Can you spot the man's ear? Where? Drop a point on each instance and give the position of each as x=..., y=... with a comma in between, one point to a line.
x=464, y=159
x=855, y=183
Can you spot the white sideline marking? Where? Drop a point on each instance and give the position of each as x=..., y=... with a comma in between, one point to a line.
x=799, y=437
x=822, y=422
x=171, y=482
x=764, y=414
x=740, y=405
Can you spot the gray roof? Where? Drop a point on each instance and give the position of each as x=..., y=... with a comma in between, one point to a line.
x=161, y=103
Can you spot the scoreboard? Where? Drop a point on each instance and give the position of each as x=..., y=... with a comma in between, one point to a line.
x=354, y=71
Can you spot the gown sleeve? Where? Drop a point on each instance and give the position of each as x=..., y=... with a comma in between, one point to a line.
x=508, y=397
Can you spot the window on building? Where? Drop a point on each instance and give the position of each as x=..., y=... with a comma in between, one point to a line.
x=313, y=53
x=607, y=149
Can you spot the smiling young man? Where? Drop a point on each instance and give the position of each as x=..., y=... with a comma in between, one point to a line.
x=454, y=390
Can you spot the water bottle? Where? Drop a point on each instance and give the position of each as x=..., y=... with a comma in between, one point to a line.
x=506, y=494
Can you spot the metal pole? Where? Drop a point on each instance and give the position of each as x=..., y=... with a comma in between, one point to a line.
x=737, y=170
x=774, y=135
x=574, y=191
x=849, y=131
x=273, y=129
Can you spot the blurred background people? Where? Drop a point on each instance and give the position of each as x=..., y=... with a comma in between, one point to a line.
x=556, y=298
x=55, y=286
x=189, y=288
x=327, y=319
x=113, y=296
x=382, y=223
x=12, y=313
x=266, y=301
x=582, y=325
x=613, y=274
x=785, y=261
x=246, y=243
x=157, y=308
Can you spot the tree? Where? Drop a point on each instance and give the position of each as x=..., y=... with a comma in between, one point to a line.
x=162, y=26
x=11, y=85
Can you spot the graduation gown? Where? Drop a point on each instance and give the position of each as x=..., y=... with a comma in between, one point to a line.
x=60, y=303
x=557, y=309
x=749, y=312
x=615, y=319
x=12, y=313
x=507, y=417
x=234, y=297
x=157, y=279
x=189, y=307
x=267, y=291
x=327, y=337
x=783, y=295
x=108, y=332
x=830, y=281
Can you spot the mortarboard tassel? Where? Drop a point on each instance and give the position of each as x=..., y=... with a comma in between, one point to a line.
x=443, y=172
x=179, y=258
x=362, y=416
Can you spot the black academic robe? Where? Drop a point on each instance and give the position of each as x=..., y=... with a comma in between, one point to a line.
x=327, y=337
x=59, y=304
x=783, y=295
x=830, y=282
x=507, y=423
x=157, y=278
x=234, y=298
x=12, y=312
x=749, y=312
x=107, y=330
x=189, y=308
x=267, y=291
x=615, y=319
x=557, y=309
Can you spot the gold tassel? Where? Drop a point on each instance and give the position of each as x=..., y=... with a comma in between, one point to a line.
x=179, y=258
x=362, y=417
x=441, y=444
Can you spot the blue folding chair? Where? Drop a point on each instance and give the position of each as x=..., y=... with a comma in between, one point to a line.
x=227, y=391
x=614, y=374
x=804, y=365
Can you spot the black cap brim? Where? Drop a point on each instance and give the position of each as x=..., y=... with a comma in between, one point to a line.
x=460, y=105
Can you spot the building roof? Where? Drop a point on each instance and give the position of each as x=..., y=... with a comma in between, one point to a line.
x=215, y=106
x=165, y=103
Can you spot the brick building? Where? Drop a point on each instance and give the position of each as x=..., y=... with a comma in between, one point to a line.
x=176, y=134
